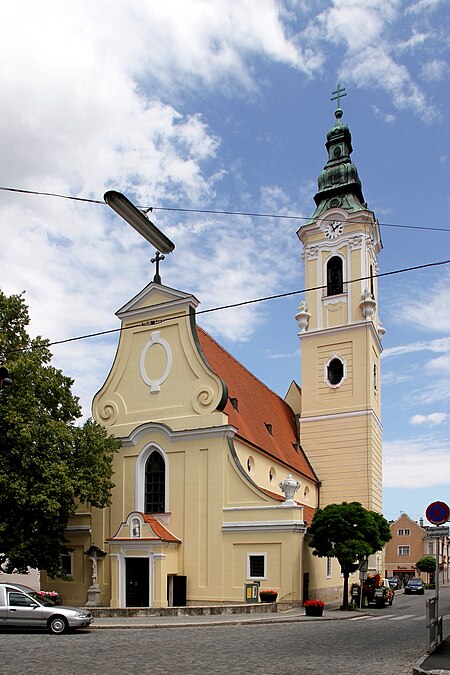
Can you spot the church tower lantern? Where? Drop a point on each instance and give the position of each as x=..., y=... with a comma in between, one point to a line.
x=340, y=331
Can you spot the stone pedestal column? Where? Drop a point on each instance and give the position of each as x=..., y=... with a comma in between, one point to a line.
x=94, y=592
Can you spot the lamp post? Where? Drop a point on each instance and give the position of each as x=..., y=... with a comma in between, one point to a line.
x=137, y=219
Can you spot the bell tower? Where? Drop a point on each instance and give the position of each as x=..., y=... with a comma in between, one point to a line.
x=340, y=332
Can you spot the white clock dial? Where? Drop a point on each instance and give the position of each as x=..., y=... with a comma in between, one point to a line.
x=333, y=229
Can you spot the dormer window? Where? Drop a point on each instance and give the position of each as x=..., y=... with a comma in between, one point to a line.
x=269, y=428
x=234, y=403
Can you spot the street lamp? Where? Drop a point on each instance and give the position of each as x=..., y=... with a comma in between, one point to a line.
x=126, y=210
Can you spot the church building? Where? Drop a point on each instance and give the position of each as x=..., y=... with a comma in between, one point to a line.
x=218, y=478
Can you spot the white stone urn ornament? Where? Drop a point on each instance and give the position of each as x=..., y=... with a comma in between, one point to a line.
x=289, y=487
x=367, y=304
x=302, y=317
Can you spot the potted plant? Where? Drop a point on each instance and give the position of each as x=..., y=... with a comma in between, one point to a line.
x=314, y=607
x=268, y=596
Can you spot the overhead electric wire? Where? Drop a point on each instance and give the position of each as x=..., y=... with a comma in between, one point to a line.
x=153, y=322
x=250, y=214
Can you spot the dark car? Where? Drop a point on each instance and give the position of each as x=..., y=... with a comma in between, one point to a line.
x=394, y=582
x=415, y=586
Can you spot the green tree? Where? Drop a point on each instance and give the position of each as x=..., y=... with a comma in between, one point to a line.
x=427, y=563
x=47, y=462
x=348, y=532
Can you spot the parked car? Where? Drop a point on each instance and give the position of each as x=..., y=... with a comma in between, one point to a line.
x=394, y=582
x=415, y=586
x=21, y=606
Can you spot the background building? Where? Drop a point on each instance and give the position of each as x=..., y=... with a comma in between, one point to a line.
x=410, y=541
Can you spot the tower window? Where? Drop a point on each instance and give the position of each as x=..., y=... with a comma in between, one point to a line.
x=335, y=284
x=155, y=484
x=335, y=371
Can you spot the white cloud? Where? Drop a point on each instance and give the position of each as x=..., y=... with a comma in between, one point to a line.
x=441, y=364
x=432, y=305
x=417, y=38
x=432, y=392
x=434, y=70
x=438, y=345
x=363, y=29
x=419, y=462
x=432, y=419
x=95, y=97
x=423, y=6
x=387, y=117
x=86, y=91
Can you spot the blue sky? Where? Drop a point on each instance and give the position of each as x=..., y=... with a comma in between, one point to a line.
x=208, y=104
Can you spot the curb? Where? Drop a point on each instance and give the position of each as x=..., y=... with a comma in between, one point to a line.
x=214, y=622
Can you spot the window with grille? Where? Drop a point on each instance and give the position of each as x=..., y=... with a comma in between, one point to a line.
x=67, y=563
x=403, y=550
x=256, y=566
x=404, y=533
x=155, y=484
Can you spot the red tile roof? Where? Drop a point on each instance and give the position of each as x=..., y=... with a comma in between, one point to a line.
x=162, y=534
x=257, y=408
x=158, y=528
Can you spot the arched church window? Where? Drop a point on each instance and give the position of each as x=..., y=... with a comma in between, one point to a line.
x=335, y=280
x=155, y=483
x=335, y=371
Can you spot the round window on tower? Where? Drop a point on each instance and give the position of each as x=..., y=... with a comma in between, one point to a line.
x=334, y=371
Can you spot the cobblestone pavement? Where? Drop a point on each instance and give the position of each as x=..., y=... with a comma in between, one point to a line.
x=288, y=648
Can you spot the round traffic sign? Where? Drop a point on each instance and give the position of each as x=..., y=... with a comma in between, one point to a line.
x=437, y=513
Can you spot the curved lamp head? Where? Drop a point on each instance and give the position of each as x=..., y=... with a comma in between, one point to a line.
x=126, y=210
x=5, y=380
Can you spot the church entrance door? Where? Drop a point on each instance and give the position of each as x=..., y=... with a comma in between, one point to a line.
x=137, y=586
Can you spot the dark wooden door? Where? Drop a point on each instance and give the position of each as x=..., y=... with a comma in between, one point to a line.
x=137, y=570
x=305, y=586
x=179, y=591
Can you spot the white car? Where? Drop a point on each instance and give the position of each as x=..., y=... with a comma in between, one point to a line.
x=21, y=606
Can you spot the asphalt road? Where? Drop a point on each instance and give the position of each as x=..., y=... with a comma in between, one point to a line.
x=385, y=641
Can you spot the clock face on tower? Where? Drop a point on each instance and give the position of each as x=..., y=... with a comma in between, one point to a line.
x=333, y=229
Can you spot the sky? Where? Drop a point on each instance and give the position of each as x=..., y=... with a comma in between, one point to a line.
x=212, y=105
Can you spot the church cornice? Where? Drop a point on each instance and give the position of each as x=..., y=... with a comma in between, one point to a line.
x=359, y=325
x=186, y=434
x=334, y=416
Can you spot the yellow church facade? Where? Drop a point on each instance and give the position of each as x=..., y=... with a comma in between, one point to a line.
x=217, y=477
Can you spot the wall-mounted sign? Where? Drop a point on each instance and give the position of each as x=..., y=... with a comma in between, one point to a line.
x=437, y=532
